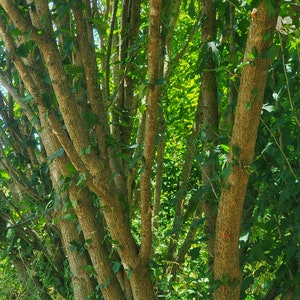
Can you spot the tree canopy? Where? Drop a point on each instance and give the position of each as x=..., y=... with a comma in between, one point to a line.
x=149, y=149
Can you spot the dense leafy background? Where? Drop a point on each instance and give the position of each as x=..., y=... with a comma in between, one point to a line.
x=271, y=227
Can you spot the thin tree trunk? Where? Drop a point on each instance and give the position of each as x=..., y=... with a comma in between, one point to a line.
x=83, y=284
x=231, y=88
x=94, y=235
x=154, y=64
x=210, y=123
x=248, y=112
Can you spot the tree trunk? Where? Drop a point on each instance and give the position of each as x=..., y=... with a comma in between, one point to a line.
x=83, y=284
x=209, y=101
x=248, y=112
x=94, y=235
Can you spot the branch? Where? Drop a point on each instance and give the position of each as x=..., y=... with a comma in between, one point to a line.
x=18, y=19
x=17, y=97
x=159, y=173
x=74, y=157
x=109, y=46
x=18, y=179
x=57, y=74
x=280, y=149
x=89, y=63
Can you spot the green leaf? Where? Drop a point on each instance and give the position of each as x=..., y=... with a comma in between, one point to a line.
x=23, y=50
x=82, y=179
x=225, y=279
x=89, y=268
x=116, y=266
x=143, y=91
x=10, y=234
x=160, y=81
x=91, y=118
x=69, y=217
x=60, y=152
x=86, y=150
x=270, y=6
x=74, y=204
x=225, y=147
x=225, y=172
x=267, y=36
x=254, y=52
x=271, y=52
x=27, y=98
x=4, y=174
x=234, y=283
x=71, y=169
x=129, y=274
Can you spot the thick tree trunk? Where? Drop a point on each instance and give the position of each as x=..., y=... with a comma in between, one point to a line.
x=248, y=112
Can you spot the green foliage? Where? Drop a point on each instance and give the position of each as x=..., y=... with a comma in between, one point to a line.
x=269, y=243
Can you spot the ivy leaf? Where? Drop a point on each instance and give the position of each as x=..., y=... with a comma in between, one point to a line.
x=57, y=154
x=27, y=98
x=82, y=178
x=70, y=217
x=86, y=150
x=116, y=267
x=271, y=52
x=160, y=81
x=23, y=50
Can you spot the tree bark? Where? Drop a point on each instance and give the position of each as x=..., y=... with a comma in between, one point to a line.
x=248, y=112
x=94, y=235
x=83, y=284
x=210, y=122
x=154, y=64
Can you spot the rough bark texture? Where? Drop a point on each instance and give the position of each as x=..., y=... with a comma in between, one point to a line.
x=154, y=60
x=209, y=99
x=94, y=234
x=83, y=284
x=248, y=112
x=97, y=166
